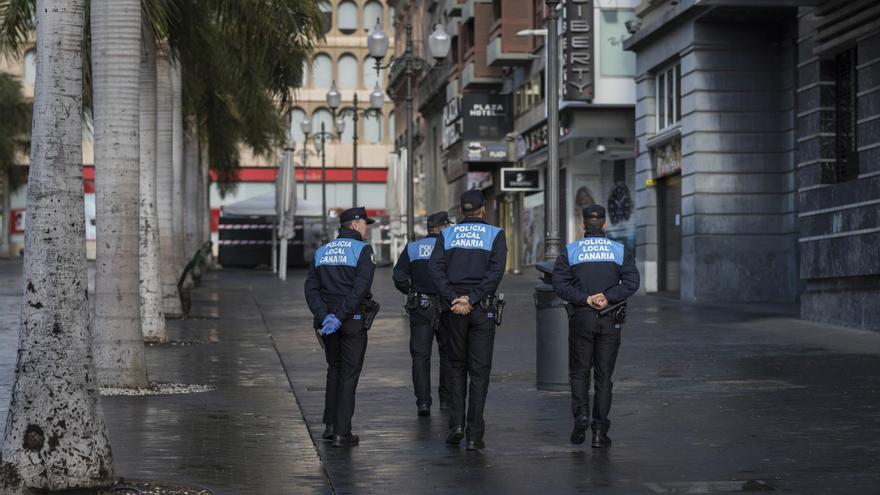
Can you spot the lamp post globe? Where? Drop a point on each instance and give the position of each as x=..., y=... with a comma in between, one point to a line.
x=334, y=98
x=439, y=42
x=306, y=125
x=377, y=41
x=377, y=98
x=340, y=125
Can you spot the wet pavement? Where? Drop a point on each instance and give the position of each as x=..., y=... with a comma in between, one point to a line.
x=709, y=399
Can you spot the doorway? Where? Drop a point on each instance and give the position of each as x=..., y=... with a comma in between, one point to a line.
x=669, y=236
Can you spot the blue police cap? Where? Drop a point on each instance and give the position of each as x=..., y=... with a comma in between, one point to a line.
x=438, y=219
x=359, y=213
x=593, y=211
x=471, y=200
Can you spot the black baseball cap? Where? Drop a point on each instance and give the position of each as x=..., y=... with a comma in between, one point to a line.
x=355, y=214
x=594, y=211
x=438, y=219
x=471, y=200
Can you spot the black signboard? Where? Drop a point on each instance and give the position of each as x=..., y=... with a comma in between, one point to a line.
x=578, y=48
x=520, y=179
x=485, y=122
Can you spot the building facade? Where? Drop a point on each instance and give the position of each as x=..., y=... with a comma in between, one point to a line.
x=758, y=168
x=483, y=110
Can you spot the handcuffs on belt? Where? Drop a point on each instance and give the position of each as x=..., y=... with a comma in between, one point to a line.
x=495, y=303
x=425, y=302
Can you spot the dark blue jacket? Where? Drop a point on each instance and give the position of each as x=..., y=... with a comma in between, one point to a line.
x=595, y=265
x=340, y=276
x=469, y=259
x=411, y=271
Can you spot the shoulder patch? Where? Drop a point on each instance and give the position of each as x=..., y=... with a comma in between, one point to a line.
x=341, y=252
x=593, y=250
x=470, y=236
x=421, y=249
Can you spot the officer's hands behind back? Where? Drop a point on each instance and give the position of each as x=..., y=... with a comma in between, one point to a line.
x=597, y=301
x=330, y=324
x=462, y=306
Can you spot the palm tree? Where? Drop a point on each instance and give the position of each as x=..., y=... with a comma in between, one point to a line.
x=152, y=317
x=14, y=132
x=177, y=205
x=55, y=435
x=116, y=46
x=164, y=182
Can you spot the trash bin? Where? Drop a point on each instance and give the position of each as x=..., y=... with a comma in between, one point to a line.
x=552, y=333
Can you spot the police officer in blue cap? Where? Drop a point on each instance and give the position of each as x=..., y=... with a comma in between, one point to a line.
x=412, y=277
x=594, y=275
x=467, y=265
x=338, y=294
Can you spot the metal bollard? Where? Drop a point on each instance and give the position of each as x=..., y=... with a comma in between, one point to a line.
x=551, y=334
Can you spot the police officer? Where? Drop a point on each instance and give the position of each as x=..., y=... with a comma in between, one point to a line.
x=467, y=265
x=337, y=289
x=411, y=276
x=590, y=275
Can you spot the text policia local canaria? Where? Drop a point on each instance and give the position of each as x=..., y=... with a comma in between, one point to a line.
x=336, y=252
x=595, y=250
x=469, y=236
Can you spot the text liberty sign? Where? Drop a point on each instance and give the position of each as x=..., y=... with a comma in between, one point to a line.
x=578, y=49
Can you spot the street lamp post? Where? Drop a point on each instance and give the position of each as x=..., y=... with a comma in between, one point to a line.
x=438, y=44
x=334, y=100
x=552, y=241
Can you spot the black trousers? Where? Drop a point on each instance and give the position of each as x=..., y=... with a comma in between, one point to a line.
x=470, y=341
x=344, y=351
x=424, y=327
x=592, y=345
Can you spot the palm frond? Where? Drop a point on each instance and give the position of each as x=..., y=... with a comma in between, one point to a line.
x=16, y=24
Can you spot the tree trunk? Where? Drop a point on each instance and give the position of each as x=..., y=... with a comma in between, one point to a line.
x=191, y=194
x=5, y=204
x=55, y=434
x=152, y=317
x=205, y=200
x=164, y=186
x=177, y=204
x=116, y=44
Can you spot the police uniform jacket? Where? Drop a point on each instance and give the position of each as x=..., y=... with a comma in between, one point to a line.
x=340, y=276
x=592, y=265
x=411, y=271
x=469, y=260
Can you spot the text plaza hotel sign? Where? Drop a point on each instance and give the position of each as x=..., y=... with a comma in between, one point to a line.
x=578, y=76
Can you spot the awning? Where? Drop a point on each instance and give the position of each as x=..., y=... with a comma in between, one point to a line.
x=264, y=206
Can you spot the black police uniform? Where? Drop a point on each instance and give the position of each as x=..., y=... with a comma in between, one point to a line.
x=411, y=277
x=591, y=266
x=339, y=281
x=469, y=260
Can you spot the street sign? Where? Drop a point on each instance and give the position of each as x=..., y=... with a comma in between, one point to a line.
x=520, y=179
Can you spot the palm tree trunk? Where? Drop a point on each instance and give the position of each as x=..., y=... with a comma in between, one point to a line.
x=116, y=44
x=205, y=200
x=177, y=207
x=5, y=204
x=152, y=317
x=165, y=184
x=191, y=194
x=55, y=435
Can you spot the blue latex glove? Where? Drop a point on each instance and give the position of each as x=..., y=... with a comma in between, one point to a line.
x=330, y=324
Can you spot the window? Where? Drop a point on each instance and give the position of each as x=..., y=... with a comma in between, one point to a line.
x=370, y=78
x=305, y=78
x=322, y=71
x=347, y=133
x=347, y=72
x=612, y=30
x=348, y=17
x=529, y=95
x=668, y=97
x=373, y=128
x=322, y=116
x=30, y=67
x=296, y=117
x=846, y=154
x=327, y=10
x=372, y=12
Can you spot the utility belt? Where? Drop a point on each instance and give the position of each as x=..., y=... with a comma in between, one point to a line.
x=493, y=304
x=617, y=311
x=425, y=302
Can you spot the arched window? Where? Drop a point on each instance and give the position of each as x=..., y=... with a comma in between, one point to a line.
x=347, y=72
x=296, y=117
x=372, y=11
x=322, y=115
x=373, y=128
x=30, y=67
x=348, y=133
x=327, y=10
x=391, y=135
x=347, y=13
x=322, y=71
x=305, y=78
x=370, y=77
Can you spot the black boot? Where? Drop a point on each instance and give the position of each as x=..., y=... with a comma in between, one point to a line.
x=600, y=435
x=475, y=445
x=329, y=432
x=424, y=409
x=456, y=433
x=345, y=440
x=581, y=425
